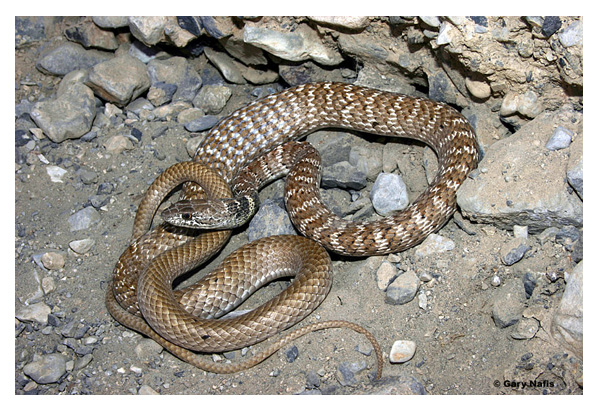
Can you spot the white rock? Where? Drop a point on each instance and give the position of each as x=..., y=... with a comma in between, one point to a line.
x=402, y=351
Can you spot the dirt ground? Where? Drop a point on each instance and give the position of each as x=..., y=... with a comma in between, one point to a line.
x=459, y=350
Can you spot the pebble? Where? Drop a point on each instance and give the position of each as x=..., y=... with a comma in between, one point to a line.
x=525, y=329
x=386, y=273
x=202, y=124
x=520, y=231
x=571, y=35
x=403, y=289
x=46, y=369
x=118, y=144
x=84, y=219
x=119, y=80
x=514, y=251
x=346, y=372
x=37, y=312
x=348, y=22
x=176, y=76
x=300, y=45
x=343, y=175
x=56, y=173
x=508, y=303
x=402, y=351
x=148, y=29
x=389, y=194
x=69, y=116
x=226, y=65
x=68, y=57
x=82, y=246
x=291, y=353
x=270, y=219
x=479, y=89
x=53, y=260
x=147, y=350
x=147, y=390
x=212, y=98
x=434, y=244
x=561, y=138
x=445, y=33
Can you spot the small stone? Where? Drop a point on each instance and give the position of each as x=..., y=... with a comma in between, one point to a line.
x=389, y=194
x=445, y=33
x=346, y=372
x=402, y=351
x=496, y=281
x=478, y=89
x=508, y=304
x=525, y=329
x=189, y=115
x=520, y=231
x=432, y=21
x=148, y=29
x=386, y=273
x=82, y=246
x=403, y=289
x=37, y=312
x=147, y=390
x=226, y=65
x=212, y=98
x=551, y=24
x=202, y=124
x=561, y=138
x=269, y=220
x=567, y=324
x=433, y=244
x=53, y=260
x=422, y=300
x=514, y=251
x=48, y=285
x=47, y=369
x=118, y=144
x=148, y=349
x=348, y=22
x=56, y=173
x=343, y=175
x=291, y=354
x=571, y=35
x=84, y=219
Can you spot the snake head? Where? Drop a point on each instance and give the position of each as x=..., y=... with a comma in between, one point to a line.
x=210, y=214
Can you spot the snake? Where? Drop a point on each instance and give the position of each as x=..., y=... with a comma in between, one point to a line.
x=252, y=146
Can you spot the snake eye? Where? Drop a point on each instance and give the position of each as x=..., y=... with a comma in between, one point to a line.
x=186, y=216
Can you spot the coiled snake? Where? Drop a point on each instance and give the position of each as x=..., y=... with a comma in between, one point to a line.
x=248, y=149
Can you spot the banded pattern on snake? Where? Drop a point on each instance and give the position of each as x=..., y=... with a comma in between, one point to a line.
x=232, y=146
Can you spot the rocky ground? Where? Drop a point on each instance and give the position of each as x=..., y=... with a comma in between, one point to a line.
x=491, y=304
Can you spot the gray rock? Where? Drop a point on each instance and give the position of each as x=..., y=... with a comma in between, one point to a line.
x=432, y=21
x=244, y=52
x=148, y=29
x=202, y=124
x=368, y=160
x=521, y=184
x=333, y=146
x=561, y=138
x=37, y=312
x=403, y=289
x=270, y=220
x=567, y=324
x=175, y=71
x=161, y=93
x=29, y=30
x=508, y=303
x=68, y=57
x=226, y=65
x=111, y=22
x=571, y=35
x=300, y=45
x=398, y=385
x=68, y=116
x=433, y=244
x=291, y=353
x=90, y=35
x=346, y=372
x=514, y=251
x=83, y=219
x=347, y=22
x=389, y=194
x=47, y=369
x=525, y=329
x=212, y=98
x=343, y=175
x=120, y=80
x=148, y=349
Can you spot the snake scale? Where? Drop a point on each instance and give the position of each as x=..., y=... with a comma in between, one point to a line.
x=246, y=150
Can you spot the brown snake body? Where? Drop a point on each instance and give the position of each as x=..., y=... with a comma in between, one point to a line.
x=230, y=147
